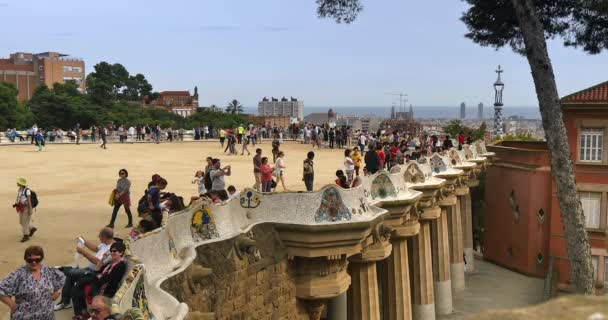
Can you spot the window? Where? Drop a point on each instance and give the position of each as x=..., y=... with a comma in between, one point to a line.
x=76, y=69
x=591, y=144
x=594, y=262
x=591, y=202
x=67, y=68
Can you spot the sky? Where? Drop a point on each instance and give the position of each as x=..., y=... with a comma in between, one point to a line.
x=247, y=49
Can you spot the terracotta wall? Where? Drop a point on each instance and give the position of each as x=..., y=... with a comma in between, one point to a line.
x=519, y=179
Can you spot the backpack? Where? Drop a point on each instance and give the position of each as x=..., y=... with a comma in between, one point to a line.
x=141, y=204
x=33, y=197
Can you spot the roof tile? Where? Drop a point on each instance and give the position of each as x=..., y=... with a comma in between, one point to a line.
x=595, y=94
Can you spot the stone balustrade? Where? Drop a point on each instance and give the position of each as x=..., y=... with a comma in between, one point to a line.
x=409, y=229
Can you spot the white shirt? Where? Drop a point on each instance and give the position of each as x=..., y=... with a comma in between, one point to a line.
x=102, y=249
x=22, y=196
x=349, y=164
x=131, y=131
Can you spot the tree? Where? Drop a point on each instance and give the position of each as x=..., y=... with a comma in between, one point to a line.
x=234, y=107
x=137, y=87
x=106, y=83
x=525, y=25
x=13, y=113
x=454, y=127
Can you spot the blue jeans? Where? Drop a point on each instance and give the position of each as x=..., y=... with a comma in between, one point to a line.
x=72, y=275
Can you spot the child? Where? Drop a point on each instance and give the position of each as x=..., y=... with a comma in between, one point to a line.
x=199, y=179
x=266, y=178
x=349, y=165
x=232, y=192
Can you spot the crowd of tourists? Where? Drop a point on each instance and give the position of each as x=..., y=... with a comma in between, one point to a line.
x=88, y=290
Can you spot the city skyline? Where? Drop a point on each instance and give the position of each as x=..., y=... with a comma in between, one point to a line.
x=246, y=51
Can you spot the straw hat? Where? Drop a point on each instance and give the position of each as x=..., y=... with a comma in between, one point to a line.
x=22, y=182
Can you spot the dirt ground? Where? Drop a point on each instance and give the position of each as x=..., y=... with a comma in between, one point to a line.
x=73, y=184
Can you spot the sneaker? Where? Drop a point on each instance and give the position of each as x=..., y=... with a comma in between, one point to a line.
x=110, y=226
x=32, y=231
x=61, y=306
x=25, y=238
x=130, y=225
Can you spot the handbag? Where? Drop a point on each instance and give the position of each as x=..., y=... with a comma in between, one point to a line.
x=112, y=196
x=273, y=184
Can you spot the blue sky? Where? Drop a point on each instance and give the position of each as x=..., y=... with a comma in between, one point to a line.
x=249, y=49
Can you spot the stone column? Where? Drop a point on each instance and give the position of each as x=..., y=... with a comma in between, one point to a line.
x=363, y=301
x=456, y=253
x=423, y=307
x=467, y=231
x=440, y=244
x=336, y=308
x=398, y=298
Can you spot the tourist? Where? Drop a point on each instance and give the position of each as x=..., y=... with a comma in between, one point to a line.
x=217, y=175
x=339, y=138
x=240, y=131
x=78, y=133
x=372, y=160
x=470, y=138
x=93, y=133
x=320, y=139
x=362, y=141
x=199, y=180
x=257, y=163
x=222, y=137
x=381, y=155
x=279, y=169
x=232, y=194
x=101, y=308
x=309, y=171
x=447, y=143
x=103, y=134
x=131, y=134
x=349, y=165
x=122, y=197
x=332, y=135
x=461, y=140
x=265, y=175
x=39, y=140
x=25, y=208
x=207, y=175
x=275, y=148
x=245, y=141
x=342, y=180
x=95, y=254
x=105, y=283
x=357, y=159
x=32, y=132
x=30, y=290
x=151, y=204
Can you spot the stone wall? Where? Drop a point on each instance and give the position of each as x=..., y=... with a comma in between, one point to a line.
x=261, y=285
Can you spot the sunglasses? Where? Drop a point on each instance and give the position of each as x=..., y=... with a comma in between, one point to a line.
x=33, y=260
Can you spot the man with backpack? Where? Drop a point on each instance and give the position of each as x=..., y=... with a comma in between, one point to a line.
x=25, y=203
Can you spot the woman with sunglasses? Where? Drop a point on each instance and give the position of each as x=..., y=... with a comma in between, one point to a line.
x=122, y=197
x=30, y=290
x=105, y=283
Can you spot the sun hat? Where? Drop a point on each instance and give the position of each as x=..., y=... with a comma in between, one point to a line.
x=22, y=182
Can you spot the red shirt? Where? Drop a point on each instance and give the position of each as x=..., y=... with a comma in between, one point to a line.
x=394, y=151
x=381, y=156
x=461, y=138
x=266, y=173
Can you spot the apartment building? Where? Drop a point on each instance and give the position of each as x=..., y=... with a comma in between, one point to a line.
x=285, y=107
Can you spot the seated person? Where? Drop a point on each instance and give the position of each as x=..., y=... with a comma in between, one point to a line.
x=96, y=255
x=342, y=180
x=101, y=308
x=105, y=282
x=151, y=204
x=170, y=202
x=144, y=226
x=232, y=193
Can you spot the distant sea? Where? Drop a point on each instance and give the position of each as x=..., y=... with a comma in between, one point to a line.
x=423, y=112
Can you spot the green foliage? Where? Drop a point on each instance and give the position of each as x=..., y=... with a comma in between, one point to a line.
x=234, y=107
x=518, y=137
x=340, y=10
x=112, y=82
x=13, y=114
x=581, y=23
x=454, y=127
x=215, y=119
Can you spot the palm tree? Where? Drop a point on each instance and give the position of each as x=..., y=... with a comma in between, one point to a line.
x=234, y=107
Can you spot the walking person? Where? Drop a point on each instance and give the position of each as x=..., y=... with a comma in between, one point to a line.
x=275, y=148
x=279, y=169
x=372, y=160
x=246, y=141
x=257, y=173
x=357, y=159
x=122, y=197
x=24, y=205
x=266, y=175
x=78, y=133
x=39, y=140
x=349, y=165
x=331, y=135
x=309, y=171
x=30, y=290
x=131, y=134
x=103, y=135
x=222, y=137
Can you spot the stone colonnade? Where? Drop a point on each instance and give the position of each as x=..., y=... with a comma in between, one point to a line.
x=402, y=266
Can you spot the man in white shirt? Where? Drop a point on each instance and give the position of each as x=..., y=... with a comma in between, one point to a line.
x=131, y=133
x=97, y=255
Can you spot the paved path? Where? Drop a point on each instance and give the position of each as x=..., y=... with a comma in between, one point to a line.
x=494, y=287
